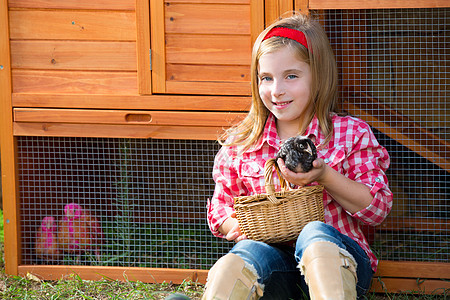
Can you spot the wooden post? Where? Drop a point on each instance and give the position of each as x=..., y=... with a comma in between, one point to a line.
x=8, y=153
x=256, y=18
x=275, y=9
x=143, y=47
x=158, y=60
x=302, y=6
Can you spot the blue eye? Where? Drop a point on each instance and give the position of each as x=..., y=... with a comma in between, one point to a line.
x=292, y=76
x=265, y=78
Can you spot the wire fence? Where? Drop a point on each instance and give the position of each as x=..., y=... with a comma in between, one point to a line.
x=395, y=74
x=148, y=195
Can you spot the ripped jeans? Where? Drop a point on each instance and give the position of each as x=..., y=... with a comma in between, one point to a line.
x=276, y=264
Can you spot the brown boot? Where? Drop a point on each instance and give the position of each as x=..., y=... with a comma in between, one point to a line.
x=231, y=278
x=329, y=271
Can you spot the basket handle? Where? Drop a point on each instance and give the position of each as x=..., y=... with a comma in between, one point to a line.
x=268, y=177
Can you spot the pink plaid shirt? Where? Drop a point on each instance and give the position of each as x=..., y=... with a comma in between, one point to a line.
x=353, y=151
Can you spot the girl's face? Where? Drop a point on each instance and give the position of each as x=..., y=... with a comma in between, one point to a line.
x=285, y=86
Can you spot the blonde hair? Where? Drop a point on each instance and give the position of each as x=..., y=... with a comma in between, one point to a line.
x=324, y=80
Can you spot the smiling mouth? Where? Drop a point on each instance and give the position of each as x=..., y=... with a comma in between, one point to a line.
x=281, y=103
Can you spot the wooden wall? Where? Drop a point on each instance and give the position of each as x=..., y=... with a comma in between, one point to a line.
x=105, y=55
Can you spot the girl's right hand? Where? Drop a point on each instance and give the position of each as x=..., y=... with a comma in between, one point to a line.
x=234, y=234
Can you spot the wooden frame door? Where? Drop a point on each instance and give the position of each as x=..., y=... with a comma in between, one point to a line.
x=203, y=47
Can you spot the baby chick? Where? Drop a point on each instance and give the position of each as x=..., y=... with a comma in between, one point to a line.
x=298, y=153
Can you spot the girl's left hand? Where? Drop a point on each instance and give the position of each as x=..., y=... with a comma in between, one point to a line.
x=303, y=179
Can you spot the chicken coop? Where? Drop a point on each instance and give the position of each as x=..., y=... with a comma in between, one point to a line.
x=110, y=111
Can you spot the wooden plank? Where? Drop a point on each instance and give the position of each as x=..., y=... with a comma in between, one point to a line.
x=74, y=55
x=209, y=88
x=182, y=72
x=286, y=8
x=148, y=275
x=202, y=18
x=153, y=102
x=271, y=8
x=7, y=150
x=370, y=4
x=410, y=285
x=131, y=117
x=74, y=4
x=276, y=9
x=143, y=46
x=256, y=19
x=70, y=82
x=208, y=49
x=73, y=25
x=413, y=269
x=158, y=46
x=302, y=5
x=117, y=131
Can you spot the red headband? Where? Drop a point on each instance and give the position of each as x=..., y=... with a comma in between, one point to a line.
x=289, y=33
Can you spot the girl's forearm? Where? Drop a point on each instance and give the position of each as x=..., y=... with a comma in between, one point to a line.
x=351, y=195
x=227, y=225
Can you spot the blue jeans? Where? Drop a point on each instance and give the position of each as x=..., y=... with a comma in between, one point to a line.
x=276, y=264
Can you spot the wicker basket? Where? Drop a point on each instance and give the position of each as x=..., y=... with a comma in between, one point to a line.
x=278, y=217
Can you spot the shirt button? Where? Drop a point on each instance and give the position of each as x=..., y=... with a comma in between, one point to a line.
x=377, y=179
x=326, y=160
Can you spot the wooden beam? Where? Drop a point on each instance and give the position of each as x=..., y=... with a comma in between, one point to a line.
x=8, y=153
x=143, y=47
x=158, y=46
x=148, y=275
x=302, y=6
x=152, y=102
x=413, y=269
x=256, y=19
x=410, y=285
x=118, y=131
x=275, y=9
x=127, y=117
x=272, y=11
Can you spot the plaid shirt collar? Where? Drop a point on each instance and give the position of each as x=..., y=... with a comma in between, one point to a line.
x=270, y=134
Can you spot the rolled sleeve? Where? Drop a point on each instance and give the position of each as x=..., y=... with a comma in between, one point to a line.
x=221, y=205
x=370, y=161
x=379, y=208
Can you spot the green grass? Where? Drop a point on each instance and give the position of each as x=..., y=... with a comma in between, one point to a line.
x=14, y=287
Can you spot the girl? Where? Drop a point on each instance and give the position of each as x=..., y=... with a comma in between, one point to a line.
x=294, y=84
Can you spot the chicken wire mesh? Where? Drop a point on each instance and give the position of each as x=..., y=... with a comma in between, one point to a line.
x=149, y=196
x=395, y=73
